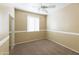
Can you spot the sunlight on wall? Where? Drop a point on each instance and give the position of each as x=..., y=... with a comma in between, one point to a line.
x=1, y=24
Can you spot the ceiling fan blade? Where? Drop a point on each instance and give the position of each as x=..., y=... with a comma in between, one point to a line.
x=51, y=6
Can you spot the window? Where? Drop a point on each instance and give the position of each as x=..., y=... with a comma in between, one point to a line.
x=32, y=23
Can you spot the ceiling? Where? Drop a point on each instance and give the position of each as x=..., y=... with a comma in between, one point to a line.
x=34, y=7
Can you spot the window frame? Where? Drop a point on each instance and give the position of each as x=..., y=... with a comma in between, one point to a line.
x=37, y=16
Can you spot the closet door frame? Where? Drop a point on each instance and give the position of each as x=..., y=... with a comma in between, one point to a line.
x=11, y=32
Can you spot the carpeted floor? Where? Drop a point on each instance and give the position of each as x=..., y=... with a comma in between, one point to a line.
x=41, y=47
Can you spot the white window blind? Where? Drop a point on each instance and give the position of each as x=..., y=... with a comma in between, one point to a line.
x=32, y=23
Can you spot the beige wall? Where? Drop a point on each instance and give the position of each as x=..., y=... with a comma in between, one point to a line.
x=69, y=41
x=4, y=49
x=4, y=25
x=29, y=36
x=21, y=25
x=21, y=19
x=65, y=20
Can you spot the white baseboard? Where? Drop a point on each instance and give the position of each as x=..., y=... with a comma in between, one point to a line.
x=65, y=46
x=27, y=41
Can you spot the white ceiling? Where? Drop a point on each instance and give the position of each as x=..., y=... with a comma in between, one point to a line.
x=33, y=7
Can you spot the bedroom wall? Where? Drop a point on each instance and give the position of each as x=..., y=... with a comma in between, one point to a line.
x=21, y=26
x=4, y=48
x=4, y=29
x=63, y=26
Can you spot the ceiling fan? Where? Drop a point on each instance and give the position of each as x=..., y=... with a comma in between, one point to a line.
x=45, y=6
